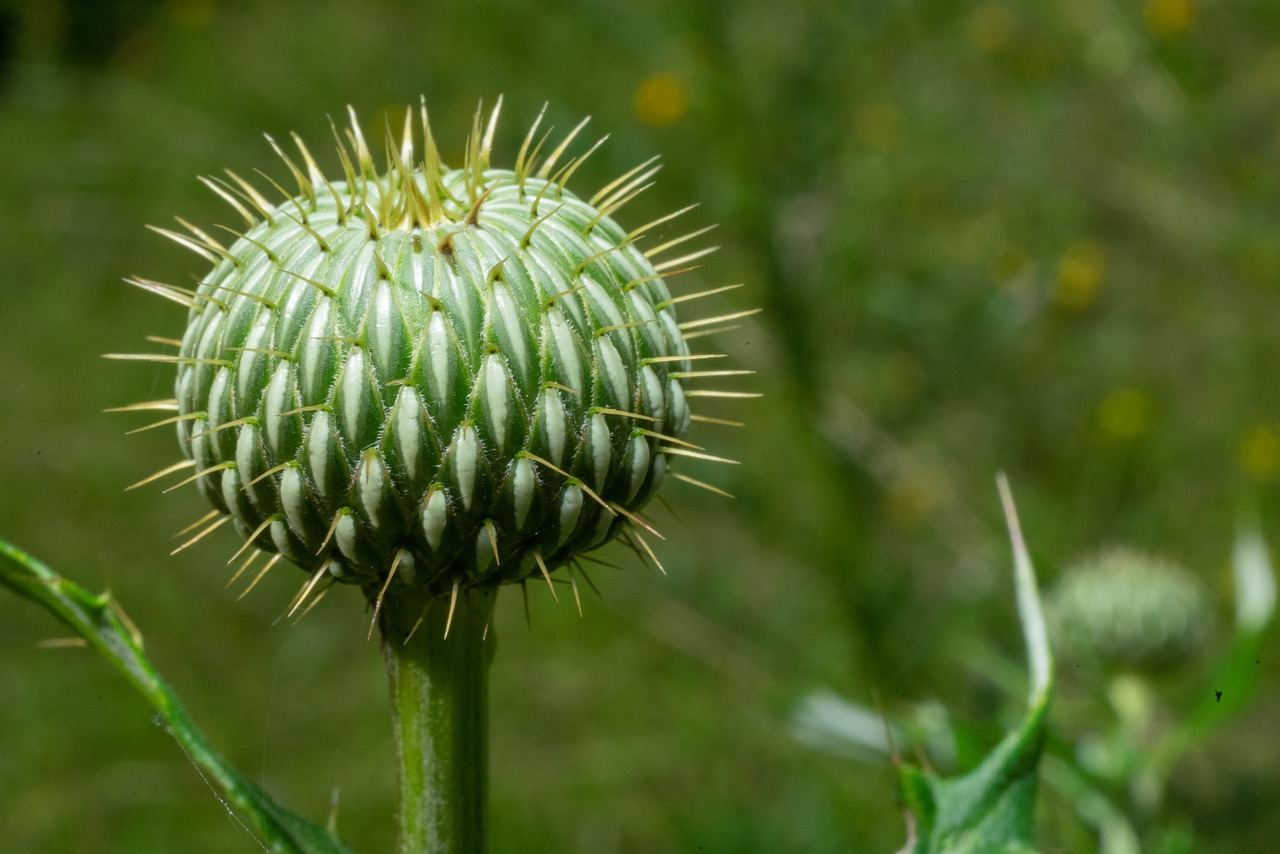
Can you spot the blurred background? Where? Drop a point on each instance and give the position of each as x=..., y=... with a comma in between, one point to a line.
x=1043, y=238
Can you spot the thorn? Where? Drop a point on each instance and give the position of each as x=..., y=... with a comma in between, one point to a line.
x=174, y=420
x=562, y=177
x=473, y=215
x=611, y=201
x=260, y=300
x=170, y=405
x=200, y=474
x=445, y=246
x=715, y=330
x=649, y=551
x=237, y=423
x=550, y=301
x=742, y=395
x=665, y=438
x=717, y=490
x=495, y=273
x=162, y=359
x=413, y=630
x=605, y=330
x=266, y=474
x=377, y=608
x=667, y=274
x=453, y=603
x=693, y=375
x=197, y=523
x=685, y=259
x=573, y=581
x=275, y=259
x=301, y=409
x=699, y=295
x=486, y=145
x=614, y=208
x=542, y=565
x=314, y=602
x=249, y=219
x=274, y=517
x=670, y=244
x=333, y=526
x=605, y=191
x=181, y=296
x=724, y=422
x=200, y=536
x=561, y=387
x=546, y=168
x=689, y=358
x=257, y=553
x=723, y=318
x=251, y=195
x=606, y=411
x=186, y=242
x=305, y=187
x=587, y=578
x=306, y=226
x=313, y=171
x=572, y=480
x=603, y=252
x=683, y=452
x=252, y=584
x=636, y=520
x=204, y=237
x=327, y=291
x=644, y=229
x=488, y=620
x=171, y=342
x=522, y=164
x=360, y=146
x=528, y=235
x=493, y=540
x=162, y=473
x=306, y=590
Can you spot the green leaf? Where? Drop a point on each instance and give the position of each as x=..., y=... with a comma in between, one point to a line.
x=103, y=623
x=991, y=810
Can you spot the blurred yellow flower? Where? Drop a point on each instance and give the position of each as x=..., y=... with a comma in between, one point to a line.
x=1258, y=452
x=879, y=125
x=1169, y=18
x=1080, y=272
x=661, y=100
x=1125, y=413
x=991, y=26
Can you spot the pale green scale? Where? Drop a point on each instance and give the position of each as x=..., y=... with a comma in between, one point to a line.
x=466, y=449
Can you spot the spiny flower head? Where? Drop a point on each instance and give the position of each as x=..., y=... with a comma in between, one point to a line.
x=1124, y=607
x=429, y=376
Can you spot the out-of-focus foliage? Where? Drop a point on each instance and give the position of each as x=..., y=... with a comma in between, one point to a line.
x=1041, y=237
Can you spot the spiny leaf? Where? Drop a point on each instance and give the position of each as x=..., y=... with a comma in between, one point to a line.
x=99, y=620
x=991, y=810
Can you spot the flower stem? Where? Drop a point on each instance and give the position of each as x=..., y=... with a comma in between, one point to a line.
x=440, y=705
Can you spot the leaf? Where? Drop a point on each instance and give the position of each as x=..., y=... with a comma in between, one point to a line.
x=103, y=623
x=991, y=810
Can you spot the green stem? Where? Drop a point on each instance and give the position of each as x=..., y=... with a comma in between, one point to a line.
x=440, y=704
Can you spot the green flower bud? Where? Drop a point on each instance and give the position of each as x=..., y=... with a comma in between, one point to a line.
x=445, y=377
x=1125, y=608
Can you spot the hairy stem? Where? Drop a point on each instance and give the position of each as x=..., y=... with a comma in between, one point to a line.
x=437, y=652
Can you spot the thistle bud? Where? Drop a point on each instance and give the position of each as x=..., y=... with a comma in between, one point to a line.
x=1126, y=608
x=446, y=376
